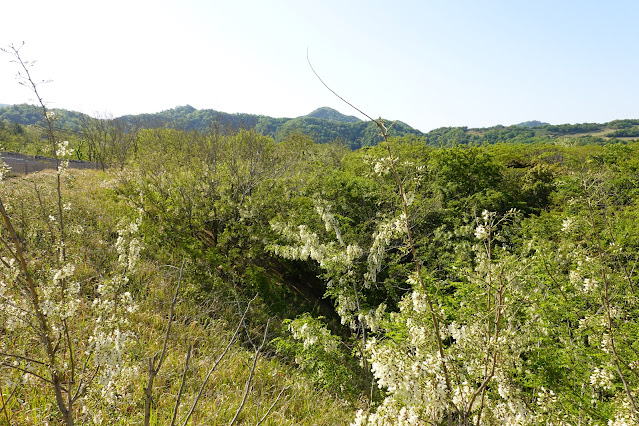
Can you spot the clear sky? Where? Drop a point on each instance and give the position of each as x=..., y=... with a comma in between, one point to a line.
x=428, y=63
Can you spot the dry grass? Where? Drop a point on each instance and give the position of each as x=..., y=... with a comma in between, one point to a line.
x=276, y=388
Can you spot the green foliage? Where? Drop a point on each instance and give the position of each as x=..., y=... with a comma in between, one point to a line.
x=569, y=129
x=18, y=138
x=330, y=114
x=27, y=115
x=627, y=132
x=528, y=255
x=323, y=125
x=321, y=355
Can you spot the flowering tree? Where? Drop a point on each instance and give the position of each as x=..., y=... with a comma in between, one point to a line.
x=77, y=328
x=471, y=345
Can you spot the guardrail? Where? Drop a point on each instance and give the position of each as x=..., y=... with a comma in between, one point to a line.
x=25, y=164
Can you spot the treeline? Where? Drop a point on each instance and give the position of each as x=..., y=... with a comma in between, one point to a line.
x=327, y=125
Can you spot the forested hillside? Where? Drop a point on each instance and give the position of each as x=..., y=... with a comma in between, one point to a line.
x=323, y=125
x=326, y=125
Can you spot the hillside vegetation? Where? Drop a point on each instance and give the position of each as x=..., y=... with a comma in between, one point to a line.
x=326, y=125
x=302, y=257
x=323, y=125
x=237, y=269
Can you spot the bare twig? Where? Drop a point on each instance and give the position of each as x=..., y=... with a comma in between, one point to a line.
x=179, y=395
x=81, y=385
x=249, y=382
x=153, y=367
x=272, y=405
x=217, y=362
x=335, y=93
x=24, y=358
x=24, y=370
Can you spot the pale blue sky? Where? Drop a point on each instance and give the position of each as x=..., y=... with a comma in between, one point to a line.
x=428, y=63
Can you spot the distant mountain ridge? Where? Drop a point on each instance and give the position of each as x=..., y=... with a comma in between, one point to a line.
x=533, y=123
x=326, y=125
x=327, y=113
x=323, y=124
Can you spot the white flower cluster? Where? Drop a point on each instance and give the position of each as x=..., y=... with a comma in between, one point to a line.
x=334, y=257
x=330, y=222
x=483, y=230
x=329, y=256
x=601, y=378
x=346, y=305
x=128, y=246
x=568, y=225
x=625, y=415
x=411, y=370
x=384, y=165
x=112, y=309
x=4, y=170
x=386, y=232
x=60, y=297
x=416, y=386
x=590, y=284
x=373, y=317
x=311, y=332
x=579, y=277
x=12, y=314
x=546, y=399
x=63, y=151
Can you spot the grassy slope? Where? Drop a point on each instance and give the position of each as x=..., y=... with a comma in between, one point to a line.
x=205, y=324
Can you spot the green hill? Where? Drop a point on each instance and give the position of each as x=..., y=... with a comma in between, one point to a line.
x=327, y=113
x=531, y=132
x=325, y=125
x=28, y=115
x=533, y=123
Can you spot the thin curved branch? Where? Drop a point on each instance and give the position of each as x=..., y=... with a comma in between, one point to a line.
x=249, y=382
x=335, y=93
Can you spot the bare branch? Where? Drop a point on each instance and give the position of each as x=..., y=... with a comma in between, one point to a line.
x=179, y=396
x=24, y=358
x=15, y=367
x=272, y=405
x=249, y=382
x=217, y=362
x=153, y=368
x=335, y=93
